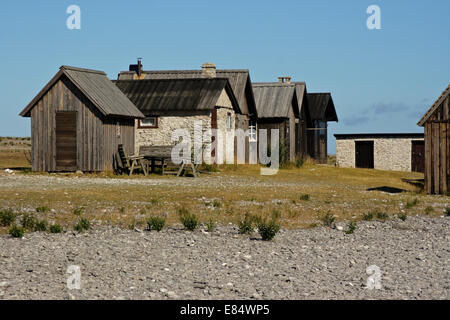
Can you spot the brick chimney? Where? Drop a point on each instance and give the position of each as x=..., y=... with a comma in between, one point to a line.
x=137, y=68
x=208, y=70
x=284, y=79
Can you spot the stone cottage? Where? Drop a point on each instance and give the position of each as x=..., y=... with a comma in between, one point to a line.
x=382, y=151
x=171, y=104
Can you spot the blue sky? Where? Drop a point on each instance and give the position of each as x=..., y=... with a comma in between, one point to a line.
x=380, y=80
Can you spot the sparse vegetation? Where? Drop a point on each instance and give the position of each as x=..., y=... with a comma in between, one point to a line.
x=304, y=197
x=42, y=209
x=216, y=204
x=189, y=220
x=246, y=225
x=82, y=225
x=351, y=227
x=268, y=229
x=210, y=225
x=16, y=231
x=327, y=219
x=402, y=216
x=381, y=215
x=7, y=217
x=156, y=223
x=28, y=221
x=412, y=203
x=368, y=216
x=429, y=210
x=41, y=225
x=447, y=211
x=55, y=228
x=78, y=211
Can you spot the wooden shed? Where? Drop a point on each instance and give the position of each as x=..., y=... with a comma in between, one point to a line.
x=437, y=145
x=77, y=122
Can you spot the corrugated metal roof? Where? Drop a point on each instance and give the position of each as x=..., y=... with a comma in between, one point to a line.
x=171, y=95
x=435, y=105
x=273, y=100
x=379, y=135
x=321, y=106
x=239, y=80
x=96, y=86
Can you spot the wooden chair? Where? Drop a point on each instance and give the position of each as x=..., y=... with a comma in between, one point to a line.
x=129, y=163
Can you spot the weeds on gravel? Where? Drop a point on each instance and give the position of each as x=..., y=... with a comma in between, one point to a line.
x=402, y=216
x=189, y=220
x=42, y=209
x=447, y=212
x=382, y=215
x=210, y=225
x=41, y=225
x=429, y=210
x=412, y=203
x=7, y=217
x=351, y=227
x=246, y=225
x=267, y=229
x=156, y=223
x=78, y=211
x=216, y=204
x=16, y=231
x=55, y=228
x=304, y=197
x=28, y=221
x=368, y=216
x=82, y=225
x=327, y=219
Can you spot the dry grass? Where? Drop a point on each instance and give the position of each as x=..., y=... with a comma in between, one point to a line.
x=223, y=197
x=14, y=152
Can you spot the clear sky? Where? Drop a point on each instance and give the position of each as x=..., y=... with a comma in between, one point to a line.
x=380, y=80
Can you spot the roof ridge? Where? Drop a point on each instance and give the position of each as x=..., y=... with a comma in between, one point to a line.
x=434, y=106
x=64, y=67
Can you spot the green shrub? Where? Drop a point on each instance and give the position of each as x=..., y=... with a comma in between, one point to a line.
x=189, y=220
x=16, y=231
x=82, y=225
x=28, y=221
x=216, y=204
x=447, y=212
x=402, y=216
x=78, y=211
x=368, y=215
x=351, y=227
x=246, y=225
x=299, y=162
x=210, y=225
x=41, y=225
x=42, y=209
x=382, y=215
x=156, y=223
x=55, y=228
x=268, y=229
x=429, y=210
x=327, y=219
x=412, y=203
x=7, y=217
x=304, y=197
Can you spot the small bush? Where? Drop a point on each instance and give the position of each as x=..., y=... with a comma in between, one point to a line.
x=402, y=216
x=189, y=220
x=156, y=223
x=28, y=221
x=268, y=229
x=351, y=227
x=154, y=201
x=41, y=225
x=16, y=231
x=210, y=225
x=42, y=209
x=55, y=228
x=447, y=212
x=7, y=217
x=429, y=210
x=382, y=215
x=368, y=216
x=78, y=211
x=299, y=162
x=328, y=219
x=304, y=197
x=246, y=225
x=412, y=203
x=82, y=225
x=216, y=204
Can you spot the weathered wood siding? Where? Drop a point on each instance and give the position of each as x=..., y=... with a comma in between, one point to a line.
x=115, y=132
x=437, y=150
x=93, y=152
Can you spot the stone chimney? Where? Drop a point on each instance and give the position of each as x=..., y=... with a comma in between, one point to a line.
x=284, y=79
x=208, y=70
x=137, y=68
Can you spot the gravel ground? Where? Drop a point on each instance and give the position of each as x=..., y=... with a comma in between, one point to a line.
x=321, y=263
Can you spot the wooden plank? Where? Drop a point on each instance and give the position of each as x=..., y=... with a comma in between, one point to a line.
x=428, y=158
x=443, y=158
x=436, y=158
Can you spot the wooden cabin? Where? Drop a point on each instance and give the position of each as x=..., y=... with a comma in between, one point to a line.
x=77, y=122
x=170, y=104
x=436, y=122
x=322, y=110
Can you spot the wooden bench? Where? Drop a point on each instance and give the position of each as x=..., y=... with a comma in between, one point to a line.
x=129, y=163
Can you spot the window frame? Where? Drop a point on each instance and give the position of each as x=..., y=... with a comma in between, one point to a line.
x=144, y=126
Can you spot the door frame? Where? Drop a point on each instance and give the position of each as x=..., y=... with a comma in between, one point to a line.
x=372, y=161
x=68, y=169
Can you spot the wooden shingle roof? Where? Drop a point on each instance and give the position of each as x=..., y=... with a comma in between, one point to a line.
x=96, y=86
x=321, y=107
x=159, y=96
x=273, y=99
x=435, y=106
x=239, y=80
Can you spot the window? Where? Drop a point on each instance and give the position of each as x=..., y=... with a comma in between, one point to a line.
x=149, y=122
x=118, y=129
x=252, y=137
x=228, y=121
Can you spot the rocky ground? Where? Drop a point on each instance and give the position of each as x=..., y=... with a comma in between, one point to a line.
x=321, y=263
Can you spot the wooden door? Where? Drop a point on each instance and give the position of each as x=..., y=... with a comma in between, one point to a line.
x=418, y=156
x=364, y=154
x=66, y=141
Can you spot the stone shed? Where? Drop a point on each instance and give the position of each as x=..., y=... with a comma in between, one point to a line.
x=381, y=151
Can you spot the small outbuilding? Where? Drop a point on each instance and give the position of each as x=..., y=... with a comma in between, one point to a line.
x=382, y=151
x=77, y=122
x=437, y=145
